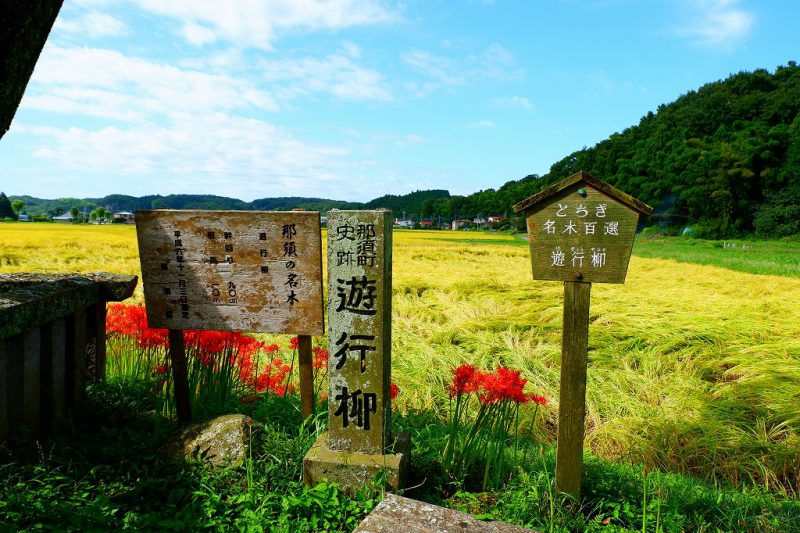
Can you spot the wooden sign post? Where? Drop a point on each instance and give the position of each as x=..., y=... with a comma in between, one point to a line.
x=254, y=271
x=359, y=342
x=580, y=231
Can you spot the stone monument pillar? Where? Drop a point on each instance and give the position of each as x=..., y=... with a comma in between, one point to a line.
x=358, y=444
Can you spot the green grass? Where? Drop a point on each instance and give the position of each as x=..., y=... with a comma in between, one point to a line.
x=107, y=473
x=776, y=258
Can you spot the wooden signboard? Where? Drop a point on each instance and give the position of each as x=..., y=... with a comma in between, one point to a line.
x=252, y=271
x=580, y=231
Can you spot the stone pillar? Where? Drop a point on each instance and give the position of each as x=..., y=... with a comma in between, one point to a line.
x=357, y=444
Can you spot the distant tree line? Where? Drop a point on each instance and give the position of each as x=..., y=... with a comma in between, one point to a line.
x=724, y=159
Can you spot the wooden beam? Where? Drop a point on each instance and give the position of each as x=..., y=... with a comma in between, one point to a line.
x=572, y=396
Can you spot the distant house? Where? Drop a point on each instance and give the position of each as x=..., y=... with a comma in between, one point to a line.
x=426, y=224
x=495, y=219
x=24, y=218
x=402, y=223
x=127, y=216
x=66, y=217
x=461, y=223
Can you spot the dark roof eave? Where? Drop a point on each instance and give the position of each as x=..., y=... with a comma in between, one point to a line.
x=623, y=197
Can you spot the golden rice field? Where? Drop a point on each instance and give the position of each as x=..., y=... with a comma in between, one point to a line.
x=692, y=369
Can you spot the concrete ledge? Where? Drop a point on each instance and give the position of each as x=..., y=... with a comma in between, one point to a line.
x=31, y=300
x=353, y=470
x=396, y=513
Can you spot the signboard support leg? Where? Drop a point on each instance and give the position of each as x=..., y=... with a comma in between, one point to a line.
x=306, y=375
x=180, y=377
x=572, y=397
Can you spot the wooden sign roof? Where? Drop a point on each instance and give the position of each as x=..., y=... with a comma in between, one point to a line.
x=608, y=189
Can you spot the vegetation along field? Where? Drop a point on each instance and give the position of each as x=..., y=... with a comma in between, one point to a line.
x=693, y=368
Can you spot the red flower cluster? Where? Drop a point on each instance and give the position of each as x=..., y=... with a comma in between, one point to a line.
x=293, y=343
x=505, y=384
x=394, y=390
x=465, y=380
x=273, y=378
x=131, y=321
x=320, y=358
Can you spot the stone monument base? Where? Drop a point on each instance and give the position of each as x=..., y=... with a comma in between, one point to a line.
x=354, y=470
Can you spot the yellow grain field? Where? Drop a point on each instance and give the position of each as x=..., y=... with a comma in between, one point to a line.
x=694, y=369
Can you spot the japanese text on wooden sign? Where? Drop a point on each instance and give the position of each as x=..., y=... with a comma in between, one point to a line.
x=359, y=329
x=232, y=270
x=581, y=234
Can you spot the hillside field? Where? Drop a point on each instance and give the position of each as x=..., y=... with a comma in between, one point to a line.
x=692, y=368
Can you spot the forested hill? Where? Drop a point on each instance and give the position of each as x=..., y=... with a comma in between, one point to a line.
x=410, y=203
x=725, y=158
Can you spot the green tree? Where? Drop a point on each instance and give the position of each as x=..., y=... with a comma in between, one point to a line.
x=18, y=205
x=6, y=211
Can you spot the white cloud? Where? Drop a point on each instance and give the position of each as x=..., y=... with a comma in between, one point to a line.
x=254, y=23
x=93, y=25
x=716, y=22
x=336, y=74
x=198, y=35
x=481, y=124
x=494, y=63
x=513, y=102
x=215, y=154
x=410, y=139
x=106, y=83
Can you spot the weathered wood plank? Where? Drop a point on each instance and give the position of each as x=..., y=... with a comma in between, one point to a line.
x=232, y=270
x=58, y=374
x=31, y=382
x=572, y=395
x=4, y=429
x=75, y=359
x=581, y=235
x=15, y=373
x=32, y=300
x=96, y=324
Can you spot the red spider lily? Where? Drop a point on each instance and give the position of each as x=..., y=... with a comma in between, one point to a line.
x=478, y=440
x=505, y=384
x=131, y=321
x=161, y=370
x=394, y=390
x=273, y=378
x=540, y=400
x=293, y=343
x=465, y=380
x=246, y=367
x=320, y=358
x=272, y=348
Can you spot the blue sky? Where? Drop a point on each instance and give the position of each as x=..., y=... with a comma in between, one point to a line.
x=353, y=99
